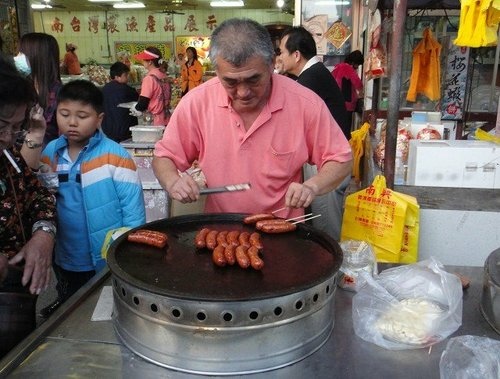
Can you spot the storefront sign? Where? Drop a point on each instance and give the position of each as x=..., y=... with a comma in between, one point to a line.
x=457, y=62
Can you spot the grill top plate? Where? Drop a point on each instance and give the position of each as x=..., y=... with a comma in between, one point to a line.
x=293, y=261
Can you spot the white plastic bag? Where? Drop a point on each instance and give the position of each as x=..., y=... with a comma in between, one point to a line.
x=408, y=307
x=470, y=357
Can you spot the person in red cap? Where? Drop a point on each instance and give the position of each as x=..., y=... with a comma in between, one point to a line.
x=155, y=88
x=71, y=62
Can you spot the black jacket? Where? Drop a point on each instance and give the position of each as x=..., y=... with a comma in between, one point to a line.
x=117, y=120
x=318, y=79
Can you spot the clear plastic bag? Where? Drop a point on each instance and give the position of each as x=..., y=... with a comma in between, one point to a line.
x=358, y=256
x=408, y=307
x=470, y=357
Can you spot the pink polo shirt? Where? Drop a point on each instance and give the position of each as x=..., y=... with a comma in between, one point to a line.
x=294, y=127
x=151, y=89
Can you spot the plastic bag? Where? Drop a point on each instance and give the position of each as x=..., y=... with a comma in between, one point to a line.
x=470, y=357
x=358, y=257
x=387, y=220
x=408, y=307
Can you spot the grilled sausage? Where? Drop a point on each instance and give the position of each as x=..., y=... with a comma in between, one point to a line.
x=242, y=257
x=211, y=240
x=276, y=226
x=252, y=219
x=255, y=240
x=244, y=239
x=255, y=261
x=230, y=254
x=148, y=237
x=218, y=256
x=201, y=238
x=232, y=237
x=221, y=238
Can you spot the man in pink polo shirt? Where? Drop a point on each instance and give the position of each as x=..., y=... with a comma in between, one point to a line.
x=250, y=125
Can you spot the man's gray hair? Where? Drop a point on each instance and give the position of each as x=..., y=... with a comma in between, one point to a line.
x=237, y=40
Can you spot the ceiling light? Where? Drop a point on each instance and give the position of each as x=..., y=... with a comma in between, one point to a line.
x=41, y=6
x=129, y=5
x=227, y=3
x=280, y=3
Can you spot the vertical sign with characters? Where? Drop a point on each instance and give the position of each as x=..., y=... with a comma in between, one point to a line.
x=457, y=63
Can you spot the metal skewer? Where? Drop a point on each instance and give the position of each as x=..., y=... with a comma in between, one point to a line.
x=229, y=188
x=298, y=217
x=277, y=210
x=306, y=219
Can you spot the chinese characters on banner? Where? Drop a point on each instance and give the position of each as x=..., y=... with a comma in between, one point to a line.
x=457, y=63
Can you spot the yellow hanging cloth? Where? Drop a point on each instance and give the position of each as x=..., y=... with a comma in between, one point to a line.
x=357, y=143
x=478, y=24
x=426, y=69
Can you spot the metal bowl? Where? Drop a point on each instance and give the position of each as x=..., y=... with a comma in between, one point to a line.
x=490, y=298
x=175, y=308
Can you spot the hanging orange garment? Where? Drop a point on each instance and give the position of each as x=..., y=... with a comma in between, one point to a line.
x=426, y=69
x=492, y=21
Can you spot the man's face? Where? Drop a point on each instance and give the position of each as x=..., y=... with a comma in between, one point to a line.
x=289, y=59
x=249, y=85
x=123, y=78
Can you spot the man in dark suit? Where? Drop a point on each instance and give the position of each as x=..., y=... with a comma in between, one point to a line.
x=298, y=54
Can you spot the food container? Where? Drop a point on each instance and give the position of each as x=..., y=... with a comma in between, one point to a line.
x=175, y=308
x=358, y=257
x=146, y=133
x=490, y=299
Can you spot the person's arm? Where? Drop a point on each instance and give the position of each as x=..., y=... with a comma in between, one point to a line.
x=329, y=177
x=33, y=143
x=181, y=188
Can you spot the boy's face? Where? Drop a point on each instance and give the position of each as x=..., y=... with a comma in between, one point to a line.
x=123, y=78
x=77, y=121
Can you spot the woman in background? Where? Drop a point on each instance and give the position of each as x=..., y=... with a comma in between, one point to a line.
x=191, y=72
x=349, y=82
x=71, y=62
x=155, y=87
x=42, y=55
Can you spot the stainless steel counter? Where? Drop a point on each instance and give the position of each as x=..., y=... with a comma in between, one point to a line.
x=70, y=345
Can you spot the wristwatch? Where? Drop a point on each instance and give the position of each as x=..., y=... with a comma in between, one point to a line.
x=32, y=144
x=46, y=226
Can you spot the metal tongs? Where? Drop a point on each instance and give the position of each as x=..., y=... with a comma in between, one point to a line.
x=229, y=188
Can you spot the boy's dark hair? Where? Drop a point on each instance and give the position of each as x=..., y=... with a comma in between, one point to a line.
x=118, y=69
x=354, y=58
x=300, y=39
x=83, y=91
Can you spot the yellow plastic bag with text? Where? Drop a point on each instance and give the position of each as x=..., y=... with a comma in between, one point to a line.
x=386, y=219
x=409, y=245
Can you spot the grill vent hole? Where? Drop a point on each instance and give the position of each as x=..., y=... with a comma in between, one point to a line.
x=201, y=316
x=136, y=300
x=299, y=305
x=278, y=311
x=124, y=293
x=154, y=308
x=315, y=297
x=176, y=313
x=327, y=289
x=227, y=316
x=253, y=315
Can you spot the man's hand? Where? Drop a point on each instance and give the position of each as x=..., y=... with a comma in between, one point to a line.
x=300, y=195
x=184, y=189
x=37, y=254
